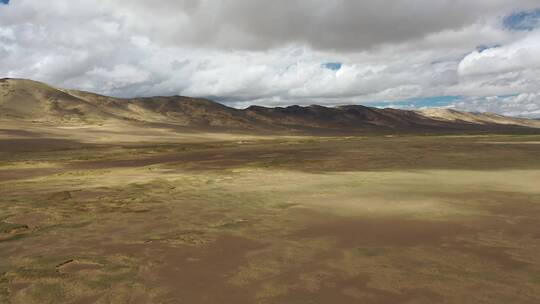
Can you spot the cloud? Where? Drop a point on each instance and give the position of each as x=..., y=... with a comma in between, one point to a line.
x=279, y=52
x=343, y=25
x=426, y=102
x=523, y=105
x=510, y=69
x=516, y=56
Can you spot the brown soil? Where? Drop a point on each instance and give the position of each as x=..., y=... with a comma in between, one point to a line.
x=379, y=232
x=194, y=274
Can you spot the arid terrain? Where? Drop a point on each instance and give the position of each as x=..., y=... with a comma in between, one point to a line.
x=134, y=206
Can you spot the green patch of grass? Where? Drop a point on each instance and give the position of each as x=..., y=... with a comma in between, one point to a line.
x=535, y=279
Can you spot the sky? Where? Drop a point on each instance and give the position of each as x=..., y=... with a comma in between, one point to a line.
x=477, y=55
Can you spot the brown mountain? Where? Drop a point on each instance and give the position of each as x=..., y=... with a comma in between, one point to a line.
x=27, y=100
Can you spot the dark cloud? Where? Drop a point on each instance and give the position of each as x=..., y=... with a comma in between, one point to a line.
x=342, y=25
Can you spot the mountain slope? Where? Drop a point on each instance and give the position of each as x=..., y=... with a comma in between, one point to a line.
x=30, y=100
x=476, y=118
x=34, y=101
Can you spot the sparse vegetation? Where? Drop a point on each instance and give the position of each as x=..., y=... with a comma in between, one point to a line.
x=273, y=220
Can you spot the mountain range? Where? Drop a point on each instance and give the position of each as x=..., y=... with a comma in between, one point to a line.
x=31, y=101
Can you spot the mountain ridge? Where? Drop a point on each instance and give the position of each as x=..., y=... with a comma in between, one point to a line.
x=29, y=100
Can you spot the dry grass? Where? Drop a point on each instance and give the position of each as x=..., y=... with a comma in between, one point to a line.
x=270, y=220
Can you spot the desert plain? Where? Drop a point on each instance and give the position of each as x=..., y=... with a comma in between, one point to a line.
x=89, y=215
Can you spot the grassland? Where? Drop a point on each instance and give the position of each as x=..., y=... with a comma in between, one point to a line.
x=375, y=219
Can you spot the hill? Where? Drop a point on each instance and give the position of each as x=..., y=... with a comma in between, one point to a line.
x=26, y=100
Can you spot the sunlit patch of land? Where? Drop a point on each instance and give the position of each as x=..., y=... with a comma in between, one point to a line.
x=268, y=219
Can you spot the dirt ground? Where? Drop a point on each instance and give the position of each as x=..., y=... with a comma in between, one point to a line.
x=243, y=219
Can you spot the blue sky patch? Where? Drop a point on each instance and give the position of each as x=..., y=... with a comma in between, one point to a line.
x=4, y=1
x=523, y=21
x=333, y=66
x=414, y=103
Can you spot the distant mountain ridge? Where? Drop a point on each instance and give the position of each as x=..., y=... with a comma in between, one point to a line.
x=34, y=101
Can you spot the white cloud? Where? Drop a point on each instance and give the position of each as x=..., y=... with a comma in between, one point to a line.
x=519, y=55
x=243, y=52
x=118, y=77
x=522, y=105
